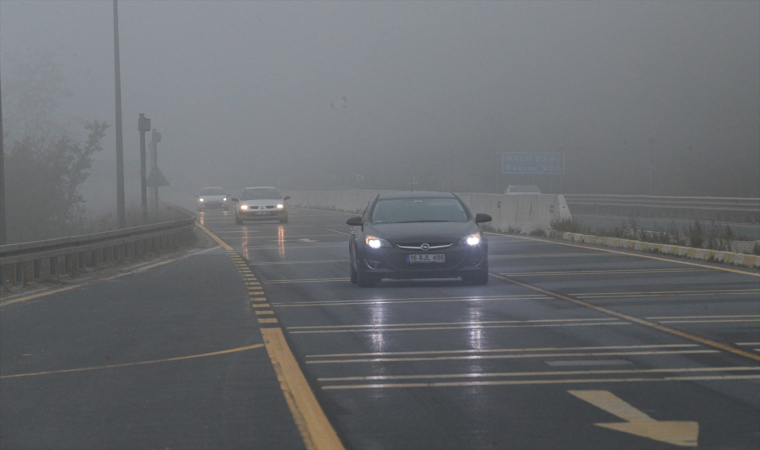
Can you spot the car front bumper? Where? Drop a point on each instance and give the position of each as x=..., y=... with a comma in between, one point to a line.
x=211, y=205
x=392, y=263
x=268, y=214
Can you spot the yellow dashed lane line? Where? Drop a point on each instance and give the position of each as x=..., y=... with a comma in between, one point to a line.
x=316, y=431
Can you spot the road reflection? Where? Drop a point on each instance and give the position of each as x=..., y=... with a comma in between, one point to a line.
x=281, y=240
x=377, y=337
x=244, y=243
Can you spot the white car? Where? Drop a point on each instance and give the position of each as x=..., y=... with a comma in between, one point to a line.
x=260, y=203
x=522, y=189
x=212, y=197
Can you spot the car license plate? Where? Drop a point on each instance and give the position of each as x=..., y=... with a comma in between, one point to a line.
x=425, y=258
x=261, y=213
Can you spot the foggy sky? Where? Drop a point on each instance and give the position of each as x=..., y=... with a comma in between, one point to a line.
x=292, y=93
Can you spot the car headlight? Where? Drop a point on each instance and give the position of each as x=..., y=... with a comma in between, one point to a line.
x=280, y=206
x=243, y=207
x=201, y=199
x=376, y=242
x=471, y=240
x=224, y=199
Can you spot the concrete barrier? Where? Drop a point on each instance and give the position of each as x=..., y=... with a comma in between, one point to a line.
x=523, y=213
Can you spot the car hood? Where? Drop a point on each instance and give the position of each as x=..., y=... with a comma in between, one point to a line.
x=422, y=230
x=213, y=198
x=262, y=202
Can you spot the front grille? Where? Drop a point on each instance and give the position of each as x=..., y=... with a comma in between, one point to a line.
x=418, y=245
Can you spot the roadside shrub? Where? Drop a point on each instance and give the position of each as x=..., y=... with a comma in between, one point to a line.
x=696, y=234
x=511, y=230
x=538, y=232
x=569, y=225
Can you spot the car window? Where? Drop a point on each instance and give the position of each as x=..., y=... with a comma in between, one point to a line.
x=260, y=194
x=212, y=191
x=403, y=210
x=523, y=189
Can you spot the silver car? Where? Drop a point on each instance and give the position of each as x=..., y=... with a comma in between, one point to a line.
x=212, y=197
x=260, y=203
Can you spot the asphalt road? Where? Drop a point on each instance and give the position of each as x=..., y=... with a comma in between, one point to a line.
x=567, y=347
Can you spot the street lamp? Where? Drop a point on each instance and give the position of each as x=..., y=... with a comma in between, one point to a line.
x=120, y=210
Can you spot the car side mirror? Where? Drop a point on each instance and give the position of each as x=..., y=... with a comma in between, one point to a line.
x=287, y=197
x=480, y=218
x=234, y=199
x=355, y=221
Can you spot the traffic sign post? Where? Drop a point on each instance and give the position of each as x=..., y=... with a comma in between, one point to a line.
x=143, y=126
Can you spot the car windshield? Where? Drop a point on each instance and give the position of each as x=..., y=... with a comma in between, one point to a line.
x=260, y=194
x=524, y=189
x=403, y=210
x=212, y=191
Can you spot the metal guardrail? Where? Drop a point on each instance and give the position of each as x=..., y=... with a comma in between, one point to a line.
x=744, y=210
x=42, y=260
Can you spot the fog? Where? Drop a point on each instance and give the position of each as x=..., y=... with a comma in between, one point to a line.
x=329, y=95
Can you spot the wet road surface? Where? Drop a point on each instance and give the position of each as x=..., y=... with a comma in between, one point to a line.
x=567, y=347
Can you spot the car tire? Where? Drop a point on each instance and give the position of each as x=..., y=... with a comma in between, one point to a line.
x=354, y=275
x=238, y=221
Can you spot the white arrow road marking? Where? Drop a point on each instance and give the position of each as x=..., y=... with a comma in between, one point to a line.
x=306, y=240
x=683, y=434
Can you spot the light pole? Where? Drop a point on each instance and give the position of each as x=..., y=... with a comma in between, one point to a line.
x=120, y=213
x=650, y=141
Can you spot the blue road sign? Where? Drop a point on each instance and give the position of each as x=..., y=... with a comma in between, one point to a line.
x=536, y=163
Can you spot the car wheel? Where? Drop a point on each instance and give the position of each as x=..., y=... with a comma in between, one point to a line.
x=237, y=220
x=354, y=275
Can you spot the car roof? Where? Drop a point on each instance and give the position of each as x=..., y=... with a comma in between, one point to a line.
x=417, y=194
x=260, y=187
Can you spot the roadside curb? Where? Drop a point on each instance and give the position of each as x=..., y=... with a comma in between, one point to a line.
x=737, y=259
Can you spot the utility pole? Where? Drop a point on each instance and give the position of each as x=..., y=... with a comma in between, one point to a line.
x=2, y=187
x=120, y=211
x=143, y=126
